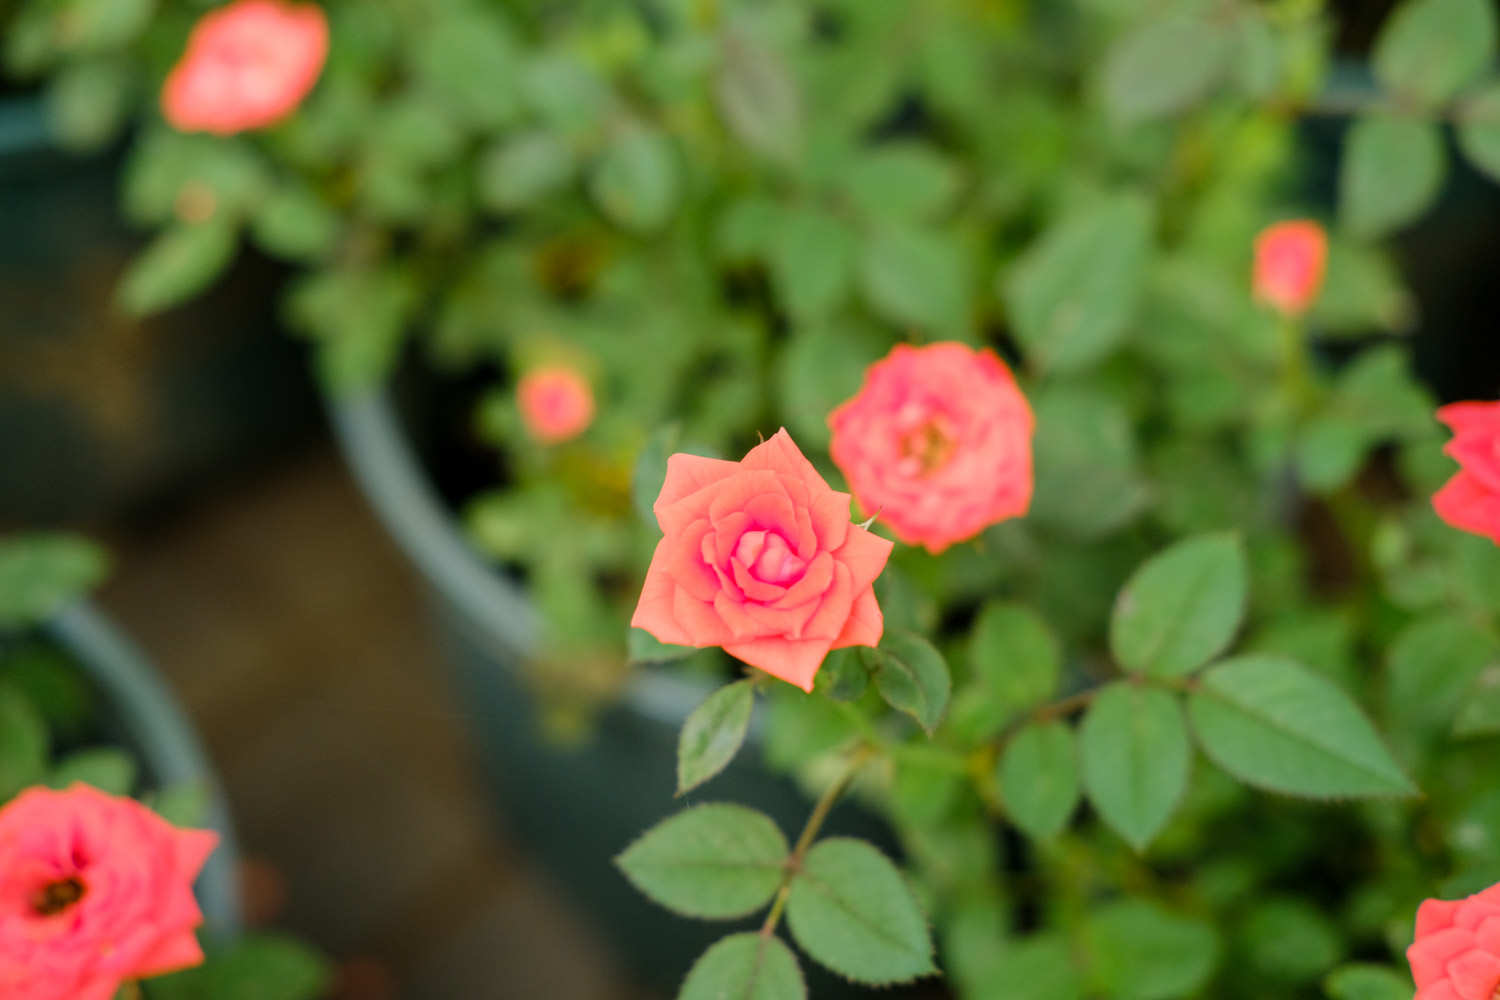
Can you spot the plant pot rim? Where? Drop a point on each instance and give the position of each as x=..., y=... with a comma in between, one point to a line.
x=380, y=455
x=155, y=727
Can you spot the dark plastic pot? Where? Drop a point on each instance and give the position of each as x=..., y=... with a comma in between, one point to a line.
x=102, y=413
x=152, y=726
x=573, y=808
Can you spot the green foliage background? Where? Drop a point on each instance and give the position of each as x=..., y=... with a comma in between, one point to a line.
x=724, y=210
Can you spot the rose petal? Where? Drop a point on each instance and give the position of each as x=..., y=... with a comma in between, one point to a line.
x=1475, y=974
x=181, y=951
x=687, y=476
x=780, y=454
x=1471, y=416
x=1475, y=451
x=654, y=610
x=1465, y=503
x=865, y=554
x=1430, y=956
x=866, y=623
x=794, y=661
x=1435, y=915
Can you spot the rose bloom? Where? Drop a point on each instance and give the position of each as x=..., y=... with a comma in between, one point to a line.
x=759, y=557
x=556, y=403
x=95, y=891
x=1471, y=499
x=1290, y=258
x=247, y=65
x=1456, y=954
x=937, y=443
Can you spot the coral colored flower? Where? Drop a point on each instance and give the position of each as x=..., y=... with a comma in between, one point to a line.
x=247, y=65
x=759, y=557
x=1471, y=499
x=95, y=891
x=1456, y=954
x=937, y=443
x=1289, y=261
x=556, y=403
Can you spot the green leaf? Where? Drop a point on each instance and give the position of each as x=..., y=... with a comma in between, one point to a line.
x=650, y=470
x=108, y=770
x=812, y=256
x=1289, y=940
x=1164, y=66
x=263, y=967
x=745, y=966
x=843, y=675
x=167, y=170
x=911, y=676
x=641, y=647
x=1478, y=122
x=759, y=98
x=1088, y=480
x=566, y=92
x=1134, y=748
x=1366, y=982
x=1075, y=292
x=23, y=744
x=821, y=366
x=88, y=103
x=900, y=182
x=523, y=169
x=39, y=573
x=1429, y=49
x=1480, y=714
x=178, y=264
x=1182, y=607
x=1276, y=726
x=292, y=223
x=1142, y=951
x=636, y=181
x=184, y=804
x=466, y=58
x=712, y=734
x=1015, y=656
x=1038, y=776
x=1431, y=666
x=1392, y=172
x=1037, y=967
x=715, y=861
x=915, y=277
x=851, y=910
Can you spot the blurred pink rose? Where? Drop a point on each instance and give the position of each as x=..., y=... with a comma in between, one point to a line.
x=1470, y=500
x=1290, y=258
x=759, y=557
x=556, y=403
x=95, y=891
x=1456, y=954
x=247, y=65
x=937, y=443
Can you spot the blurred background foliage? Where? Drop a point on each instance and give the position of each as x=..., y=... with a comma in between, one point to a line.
x=722, y=211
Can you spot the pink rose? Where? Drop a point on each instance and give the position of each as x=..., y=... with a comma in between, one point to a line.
x=247, y=65
x=759, y=557
x=1456, y=954
x=937, y=443
x=556, y=403
x=1470, y=500
x=1289, y=261
x=95, y=891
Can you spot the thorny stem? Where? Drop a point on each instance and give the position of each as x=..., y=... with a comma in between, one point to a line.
x=810, y=833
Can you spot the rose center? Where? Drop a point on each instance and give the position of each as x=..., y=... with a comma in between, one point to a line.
x=768, y=557
x=55, y=897
x=926, y=447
